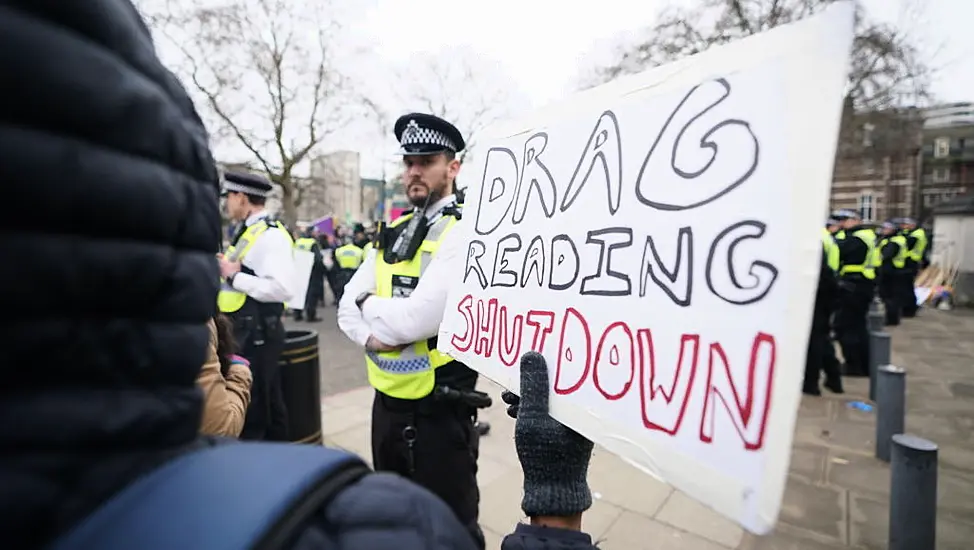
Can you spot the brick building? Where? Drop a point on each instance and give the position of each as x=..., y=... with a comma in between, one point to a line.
x=877, y=166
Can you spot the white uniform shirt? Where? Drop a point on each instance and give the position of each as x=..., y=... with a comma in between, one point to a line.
x=398, y=321
x=272, y=261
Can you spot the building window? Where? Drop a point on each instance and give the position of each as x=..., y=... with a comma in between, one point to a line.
x=941, y=174
x=867, y=134
x=866, y=207
x=941, y=147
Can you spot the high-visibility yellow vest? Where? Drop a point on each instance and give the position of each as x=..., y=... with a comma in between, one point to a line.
x=920, y=246
x=230, y=300
x=305, y=243
x=866, y=268
x=410, y=373
x=902, y=251
x=365, y=249
x=349, y=256
x=831, y=250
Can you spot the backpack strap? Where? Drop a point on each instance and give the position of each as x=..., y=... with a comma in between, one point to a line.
x=230, y=497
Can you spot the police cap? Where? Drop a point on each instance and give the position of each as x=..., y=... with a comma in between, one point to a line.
x=423, y=134
x=845, y=214
x=245, y=182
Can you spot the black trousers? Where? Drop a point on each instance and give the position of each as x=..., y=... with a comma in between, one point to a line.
x=439, y=452
x=851, y=327
x=316, y=288
x=891, y=295
x=262, y=344
x=821, y=355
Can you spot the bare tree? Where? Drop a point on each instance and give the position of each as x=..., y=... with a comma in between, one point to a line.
x=265, y=74
x=887, y=67
x=457, y=85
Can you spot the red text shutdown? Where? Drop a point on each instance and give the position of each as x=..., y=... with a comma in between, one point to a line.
x=494, y=332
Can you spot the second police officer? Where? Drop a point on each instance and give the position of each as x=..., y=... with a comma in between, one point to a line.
x=857, y=286
x=256, y=270
x=425, y=406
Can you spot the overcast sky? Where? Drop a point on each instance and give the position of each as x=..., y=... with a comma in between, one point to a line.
x=542, y=42
x=541, y=46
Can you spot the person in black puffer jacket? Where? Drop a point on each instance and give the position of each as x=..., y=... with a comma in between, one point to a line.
x=110, y=277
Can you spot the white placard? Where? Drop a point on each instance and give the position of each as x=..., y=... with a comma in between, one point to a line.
x=658, y=240
x=304, y=261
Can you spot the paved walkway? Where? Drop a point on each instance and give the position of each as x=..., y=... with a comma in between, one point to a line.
x=837, y=493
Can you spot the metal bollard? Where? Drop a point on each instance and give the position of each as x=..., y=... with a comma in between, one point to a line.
x=890, y=408
x=876, y=321
x=913, y=494
x=879, y=355
x=874, y=304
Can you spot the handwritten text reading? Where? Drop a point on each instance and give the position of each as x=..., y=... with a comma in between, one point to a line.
x=621, y=356
x=664, y=182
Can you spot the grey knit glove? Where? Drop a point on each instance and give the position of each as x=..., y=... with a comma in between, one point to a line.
x=554, y=458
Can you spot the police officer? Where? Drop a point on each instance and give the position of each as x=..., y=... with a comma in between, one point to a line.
x=916, y=242
x=425, y=403
x=857, y=286
x=257, y=270
x=821, y=353
x=348, y=258
x=316, y=282
x=892, y=271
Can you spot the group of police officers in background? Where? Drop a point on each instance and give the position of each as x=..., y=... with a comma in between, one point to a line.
x=859, y=263
x=332, y=263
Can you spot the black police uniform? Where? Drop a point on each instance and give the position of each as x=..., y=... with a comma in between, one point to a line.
x=316, y=285
x=821, y=352
x=855, y=294
x=888, y=282
x=433, y=440
x=259, y=334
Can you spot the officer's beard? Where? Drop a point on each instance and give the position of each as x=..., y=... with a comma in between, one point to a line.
x=432, y=195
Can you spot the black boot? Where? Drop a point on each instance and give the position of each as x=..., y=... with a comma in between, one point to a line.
x=835, y=386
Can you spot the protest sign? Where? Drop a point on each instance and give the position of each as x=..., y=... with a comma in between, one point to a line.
x=657, y=239
x=304, y=261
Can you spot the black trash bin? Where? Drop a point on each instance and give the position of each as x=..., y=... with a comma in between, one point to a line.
x=301, y=382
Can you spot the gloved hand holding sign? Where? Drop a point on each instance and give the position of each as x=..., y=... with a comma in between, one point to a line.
x=554, y=457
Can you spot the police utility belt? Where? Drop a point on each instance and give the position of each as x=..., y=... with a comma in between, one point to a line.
x=442, y=396
x=257, y=326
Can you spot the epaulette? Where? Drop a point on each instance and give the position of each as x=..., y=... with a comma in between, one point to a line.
x=455, y=210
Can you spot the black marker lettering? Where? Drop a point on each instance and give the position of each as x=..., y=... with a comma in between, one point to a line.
x=604, y=146
x=475, y=251
x=601, y=283
x=726, y=286
x=497, y=190
x=564, y=263
x=533, y=261
x=503, y=276
x=656, y=187
x=534, y=171
x=679, y=289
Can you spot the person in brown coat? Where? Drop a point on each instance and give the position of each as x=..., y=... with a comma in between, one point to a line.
x=225, y=381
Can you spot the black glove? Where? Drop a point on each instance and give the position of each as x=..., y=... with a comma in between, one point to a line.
x=554, y=458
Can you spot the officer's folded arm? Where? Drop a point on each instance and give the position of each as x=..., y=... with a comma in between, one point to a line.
x=418, y=317
x=350, y=319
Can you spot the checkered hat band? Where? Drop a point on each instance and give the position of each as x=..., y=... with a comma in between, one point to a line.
x=237, y=188
x=427, y=136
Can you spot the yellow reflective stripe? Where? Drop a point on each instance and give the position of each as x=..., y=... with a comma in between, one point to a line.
x=410, y=373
